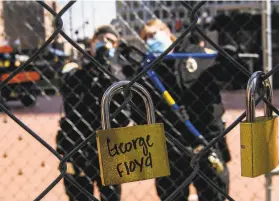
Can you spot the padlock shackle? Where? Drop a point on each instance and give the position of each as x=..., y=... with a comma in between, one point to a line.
x=251, y=91
x=117, y=88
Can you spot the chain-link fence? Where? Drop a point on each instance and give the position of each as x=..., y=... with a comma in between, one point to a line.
x=50, y=154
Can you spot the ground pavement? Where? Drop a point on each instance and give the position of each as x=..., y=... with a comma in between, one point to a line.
x=27, y=167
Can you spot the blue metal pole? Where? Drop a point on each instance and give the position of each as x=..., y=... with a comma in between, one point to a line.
x=168, y=98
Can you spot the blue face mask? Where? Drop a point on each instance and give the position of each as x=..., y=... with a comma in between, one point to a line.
x=100, y=44
x=159, y=42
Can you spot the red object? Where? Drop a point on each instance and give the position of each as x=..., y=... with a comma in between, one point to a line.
x=22, y=77
x=6, y=49
x=178, y=25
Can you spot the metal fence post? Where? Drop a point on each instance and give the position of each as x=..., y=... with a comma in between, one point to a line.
x=266, y=36
x=268, y=186
x=267, y=64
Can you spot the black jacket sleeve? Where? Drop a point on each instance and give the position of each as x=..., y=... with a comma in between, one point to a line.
x=74, y=85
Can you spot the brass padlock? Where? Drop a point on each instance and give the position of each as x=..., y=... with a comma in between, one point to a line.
x=258, y=136
x=131, y=153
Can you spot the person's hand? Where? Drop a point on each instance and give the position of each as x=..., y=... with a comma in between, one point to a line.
x=213, y=159
x=216, y=163
x=198, y=148
x=69, y=66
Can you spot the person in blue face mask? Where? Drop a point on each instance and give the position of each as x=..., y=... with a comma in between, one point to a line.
x=82, y=87
x=104, y=43
x=159, y=42
x=157, y=36
x=192, y=84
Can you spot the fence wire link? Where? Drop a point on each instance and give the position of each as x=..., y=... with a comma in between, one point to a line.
x=173, y=132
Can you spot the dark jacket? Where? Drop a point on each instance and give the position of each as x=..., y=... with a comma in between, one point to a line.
x=198, y=93
x=82, y=91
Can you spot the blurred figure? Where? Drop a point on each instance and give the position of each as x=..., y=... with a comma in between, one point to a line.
x=195, y=40
x=157, y=36
x=194, y=90
x=103, y=44
x=83, y=86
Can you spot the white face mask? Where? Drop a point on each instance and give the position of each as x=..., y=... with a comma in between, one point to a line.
x=159, y=42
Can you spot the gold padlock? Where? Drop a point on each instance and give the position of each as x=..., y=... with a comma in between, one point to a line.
x=131, y=153
x=258, y=135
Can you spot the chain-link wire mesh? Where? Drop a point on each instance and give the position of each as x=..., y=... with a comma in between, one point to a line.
x=72, y=140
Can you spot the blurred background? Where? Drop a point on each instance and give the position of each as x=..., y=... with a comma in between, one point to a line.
x=27, y=167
